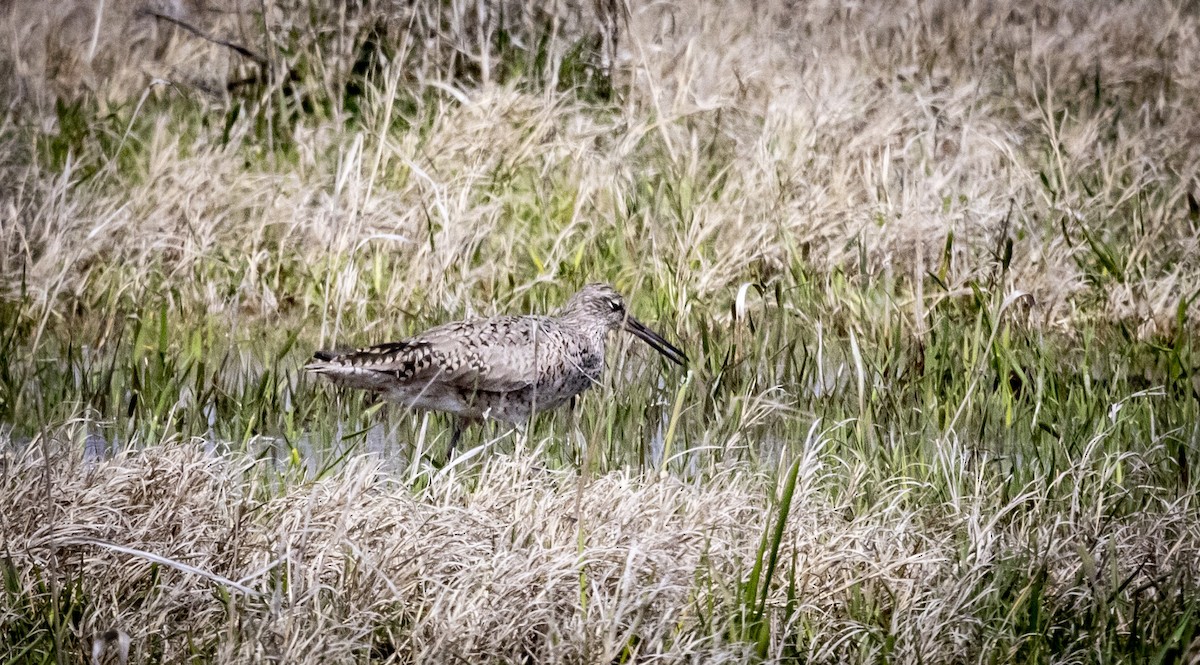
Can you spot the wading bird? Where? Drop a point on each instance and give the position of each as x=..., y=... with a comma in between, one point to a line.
x=504, y=368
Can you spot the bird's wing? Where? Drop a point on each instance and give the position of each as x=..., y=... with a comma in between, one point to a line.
x=494, y=355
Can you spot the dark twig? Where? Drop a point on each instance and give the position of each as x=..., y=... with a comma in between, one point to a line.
x=241, y=50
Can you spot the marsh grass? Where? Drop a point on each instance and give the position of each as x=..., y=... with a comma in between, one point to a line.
x=934, y=265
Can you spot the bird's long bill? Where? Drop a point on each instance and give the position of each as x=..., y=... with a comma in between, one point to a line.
x=655, y=340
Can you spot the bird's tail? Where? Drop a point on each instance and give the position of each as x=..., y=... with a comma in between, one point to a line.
x=323, y=361
x=334, y=365
x=372, y=368
x=323, y=356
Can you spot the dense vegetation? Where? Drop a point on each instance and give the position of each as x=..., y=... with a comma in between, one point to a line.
x=936, y=267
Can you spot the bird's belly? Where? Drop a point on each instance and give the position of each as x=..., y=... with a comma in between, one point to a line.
x=515, y=407
x=432, y=397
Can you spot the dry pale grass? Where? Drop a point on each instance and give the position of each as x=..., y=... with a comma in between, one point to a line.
x=896, y=140
x=190, y=554
x=884, y=129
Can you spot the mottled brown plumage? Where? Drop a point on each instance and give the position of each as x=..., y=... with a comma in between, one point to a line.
x=504, y=368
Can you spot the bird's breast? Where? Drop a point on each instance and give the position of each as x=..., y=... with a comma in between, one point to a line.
x=575, y=369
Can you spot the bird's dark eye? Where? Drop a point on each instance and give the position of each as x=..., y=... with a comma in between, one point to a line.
x=615, y=305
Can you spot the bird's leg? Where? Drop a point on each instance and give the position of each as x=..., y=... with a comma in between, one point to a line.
x=574, y=434
x=455, y=436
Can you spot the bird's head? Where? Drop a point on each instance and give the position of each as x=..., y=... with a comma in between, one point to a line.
x=600, y=304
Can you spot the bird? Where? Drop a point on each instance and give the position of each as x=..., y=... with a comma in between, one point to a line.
x=504, y=368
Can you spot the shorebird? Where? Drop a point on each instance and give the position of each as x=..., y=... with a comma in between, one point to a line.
x=504, y=368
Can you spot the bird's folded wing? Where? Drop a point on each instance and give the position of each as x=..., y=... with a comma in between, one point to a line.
x=493, y=355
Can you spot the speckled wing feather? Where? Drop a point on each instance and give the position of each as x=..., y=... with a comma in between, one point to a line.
x=494, y=355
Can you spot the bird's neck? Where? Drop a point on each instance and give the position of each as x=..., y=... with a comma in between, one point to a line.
x=585, y=328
